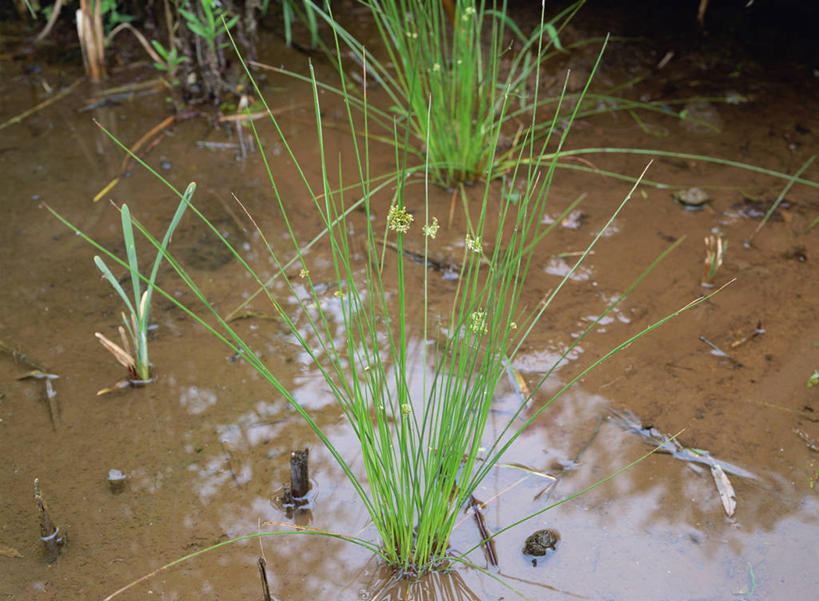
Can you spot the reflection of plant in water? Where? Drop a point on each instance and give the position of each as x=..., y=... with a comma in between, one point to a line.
x=291, y=11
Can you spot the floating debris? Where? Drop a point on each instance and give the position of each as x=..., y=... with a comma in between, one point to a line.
x=719, y=352
x=574, y=220
x=809, y=441
x=664, y=444
x=725, y=489
x=53, y=407
x=38, y=374
x=116, y=481
x=758, y=331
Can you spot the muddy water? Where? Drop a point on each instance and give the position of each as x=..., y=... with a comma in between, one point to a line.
x=205, y=447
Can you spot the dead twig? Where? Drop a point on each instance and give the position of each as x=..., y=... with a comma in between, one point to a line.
x=758, y=331
x=49, y=533
x=804, y=414
x=156, y=129
x=55, y=12
x=487, y=542
x=808, y=440
x=263, y=576
x=721, y=353
x=42, y=105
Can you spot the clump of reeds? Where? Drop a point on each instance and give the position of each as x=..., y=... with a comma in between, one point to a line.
x=453, y=70
x=423, y=444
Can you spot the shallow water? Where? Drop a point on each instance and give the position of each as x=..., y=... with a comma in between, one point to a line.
x=206, y=446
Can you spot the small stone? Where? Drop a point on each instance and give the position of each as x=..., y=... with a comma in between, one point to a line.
x=692, y=199
x=166, y=165
x=538, y=543
x=116, y=481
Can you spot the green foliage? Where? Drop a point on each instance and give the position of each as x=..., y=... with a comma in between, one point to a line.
x=137, y=321
x=291, y=11
x=422, y=442
x=111, y=14
x=209, y=21
x=170, y=58
x=453, y=80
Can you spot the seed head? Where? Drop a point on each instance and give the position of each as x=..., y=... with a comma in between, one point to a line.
x=473, y=244
x=398, y=219
x=431, y=230
x=477, y=322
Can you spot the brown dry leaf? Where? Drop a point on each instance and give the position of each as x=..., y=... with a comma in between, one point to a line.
x=518, y=380
x=122, y=356
x=7, y=551
x=726, y=490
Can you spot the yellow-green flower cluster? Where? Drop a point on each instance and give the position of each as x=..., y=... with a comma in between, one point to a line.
x=398, y=219
x=473, y=244
x=431, y=230
x=478, y=322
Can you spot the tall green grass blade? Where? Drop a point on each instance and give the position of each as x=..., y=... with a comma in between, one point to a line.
x=688, y=156
x=130, y=251
x=177, y=217
x=780, y=198
x=114, y=282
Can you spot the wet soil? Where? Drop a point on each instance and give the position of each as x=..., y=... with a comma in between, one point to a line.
x=206, y=447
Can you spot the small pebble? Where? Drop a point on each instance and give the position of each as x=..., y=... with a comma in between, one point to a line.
x=166, y=165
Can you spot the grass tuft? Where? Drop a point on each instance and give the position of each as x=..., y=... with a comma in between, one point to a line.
x=137, y=320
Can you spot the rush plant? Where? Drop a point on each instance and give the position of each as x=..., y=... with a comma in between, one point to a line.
x=449, y=72
x=137, y=319
x=423, y=442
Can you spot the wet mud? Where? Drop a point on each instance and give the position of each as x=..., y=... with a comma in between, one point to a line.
x=204, y=450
